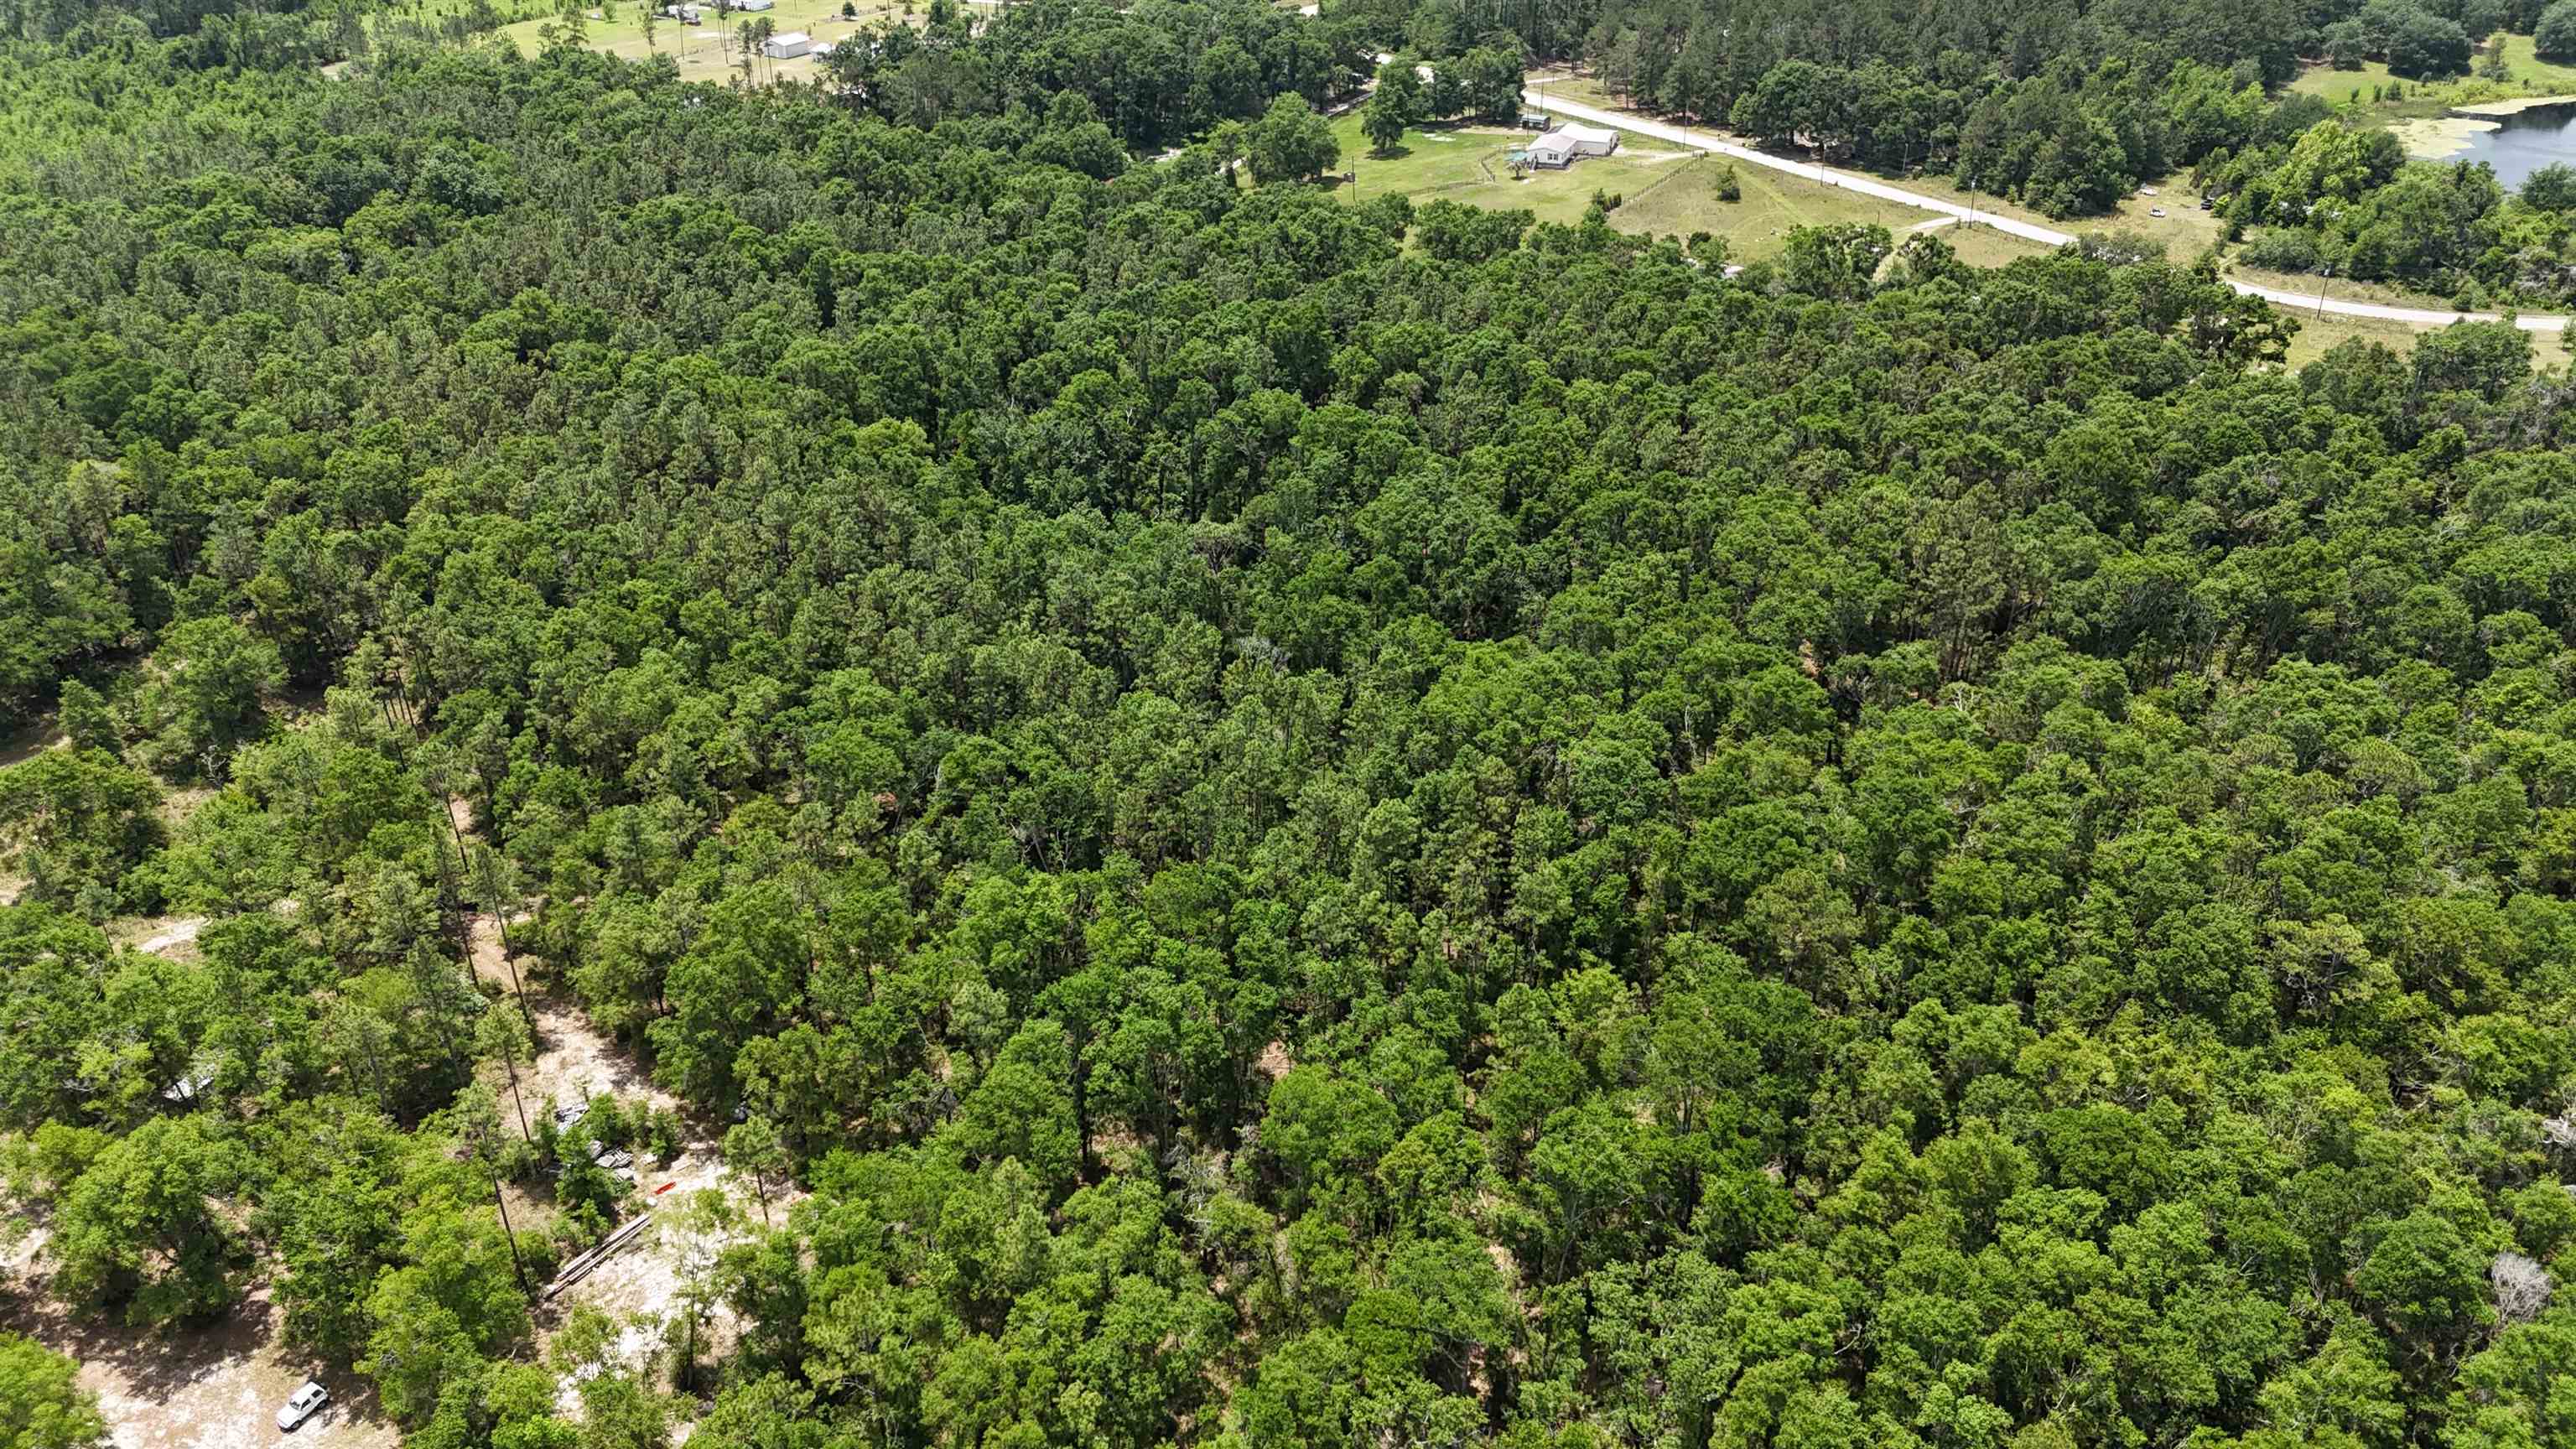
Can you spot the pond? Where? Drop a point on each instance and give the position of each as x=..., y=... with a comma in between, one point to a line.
x=2523, y=142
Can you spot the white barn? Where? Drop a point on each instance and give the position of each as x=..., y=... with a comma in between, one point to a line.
x=1558, y=148
x=787, y=45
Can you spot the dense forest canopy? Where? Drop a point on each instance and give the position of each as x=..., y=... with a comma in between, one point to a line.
x=1256, y=821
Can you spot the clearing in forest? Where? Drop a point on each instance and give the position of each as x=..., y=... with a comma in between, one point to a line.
x=1473, y=164
x=711, y=50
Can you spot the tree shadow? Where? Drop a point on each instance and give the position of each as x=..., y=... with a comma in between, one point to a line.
x=156, y=1366
x=157, y=1362
x=26, y=741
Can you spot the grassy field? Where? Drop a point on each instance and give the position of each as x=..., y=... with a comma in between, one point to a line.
x=2337, y=87
x=707, y=52
x=2548, y=349
x=1583, y=90
x=1469, y=164
x=2317, y=335
x=2185, y=229
x=1774, y=205
x=1982, y=246
x=2531, y=76
x=2546, y=77
x=2341, y=289
x=1665, y=190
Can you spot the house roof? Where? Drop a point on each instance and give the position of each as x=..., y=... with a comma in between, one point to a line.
x=1590, y=135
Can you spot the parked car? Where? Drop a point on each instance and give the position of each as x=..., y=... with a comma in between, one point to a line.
x=301, y=1405
x=2155, y=211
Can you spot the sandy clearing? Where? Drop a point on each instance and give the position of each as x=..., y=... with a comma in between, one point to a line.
x=640, y=1283
x=216, y=1386
x=575, y=1061
x=181, y=931
x=208, y=1386
x=2434, y=138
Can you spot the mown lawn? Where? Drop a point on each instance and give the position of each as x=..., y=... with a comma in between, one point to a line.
x=1472, y=164
x=2185, y=229
x=1664, y=190
x=1773, y=205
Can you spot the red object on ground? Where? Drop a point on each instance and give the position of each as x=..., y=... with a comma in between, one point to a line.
x=666, y=1187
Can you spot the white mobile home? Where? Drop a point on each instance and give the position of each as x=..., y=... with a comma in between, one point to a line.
x=753, y=4
x=1558, y=148
x=787, y=45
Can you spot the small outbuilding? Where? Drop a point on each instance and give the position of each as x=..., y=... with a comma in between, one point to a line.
x=787, y=45
x=1558, y=148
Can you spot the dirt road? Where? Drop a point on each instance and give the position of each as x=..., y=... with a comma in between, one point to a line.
x=640, y=1283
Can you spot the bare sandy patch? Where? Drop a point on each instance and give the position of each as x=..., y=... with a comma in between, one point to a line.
x=2434, y=138
x=174, y=933
x=2514, y=107
x=216, y=1386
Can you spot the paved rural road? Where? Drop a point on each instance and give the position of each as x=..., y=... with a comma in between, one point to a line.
x=2045, y=236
